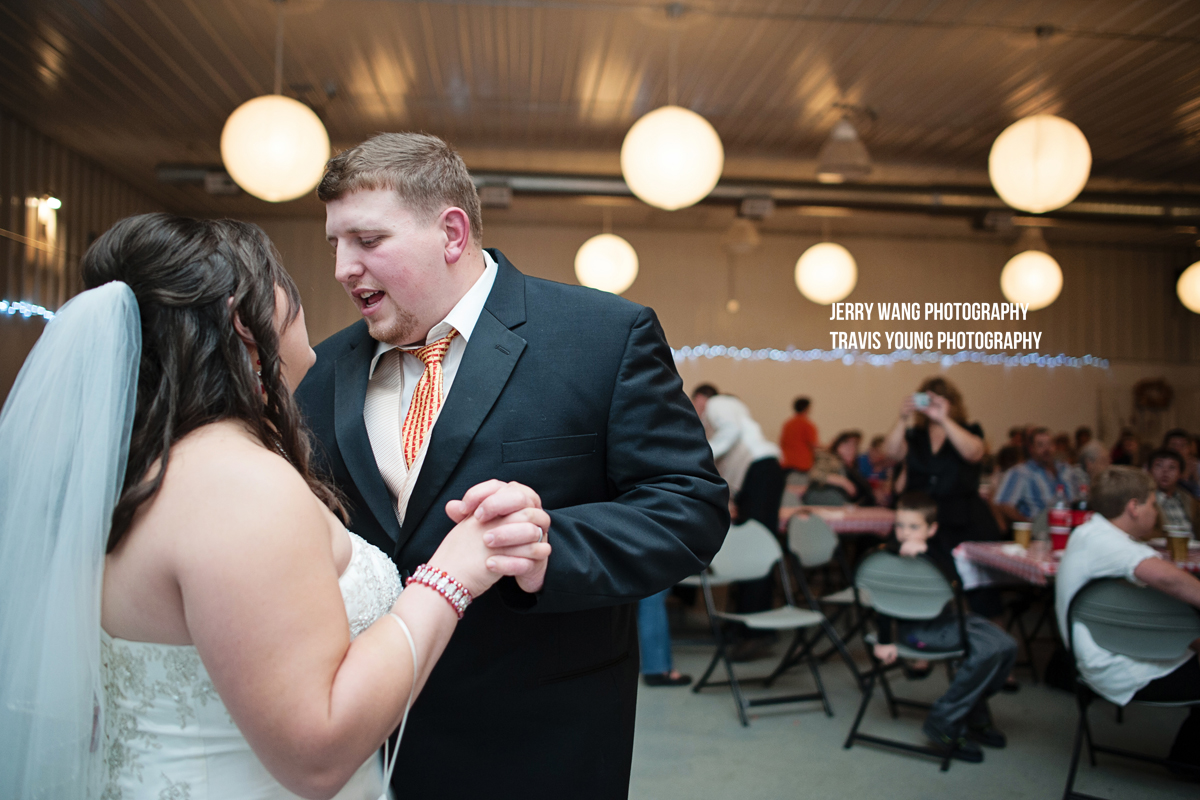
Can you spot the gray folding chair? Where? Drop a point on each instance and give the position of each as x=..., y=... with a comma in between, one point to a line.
x=1131, y=621
x=750, y=552
x=815, y=546
x=905, y=589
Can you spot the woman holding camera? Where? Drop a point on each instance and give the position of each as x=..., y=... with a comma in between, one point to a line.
x=941, y=453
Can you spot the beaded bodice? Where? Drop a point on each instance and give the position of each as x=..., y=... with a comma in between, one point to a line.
x=168, y=735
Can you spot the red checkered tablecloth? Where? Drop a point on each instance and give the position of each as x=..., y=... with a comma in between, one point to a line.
x=1037, y=565
x=845, y=519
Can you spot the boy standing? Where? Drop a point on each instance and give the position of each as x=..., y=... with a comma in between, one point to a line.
x=959, y=718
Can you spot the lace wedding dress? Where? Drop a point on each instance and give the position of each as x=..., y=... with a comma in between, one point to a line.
x=168, y=736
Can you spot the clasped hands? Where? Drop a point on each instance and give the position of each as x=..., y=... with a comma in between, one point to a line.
x=515, y=528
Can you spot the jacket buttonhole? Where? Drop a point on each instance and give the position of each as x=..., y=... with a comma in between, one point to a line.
x=502, y=350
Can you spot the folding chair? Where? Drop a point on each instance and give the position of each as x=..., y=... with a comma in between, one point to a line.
x=815, y=546
x=905, y=589
x=1135, y=622
x=750, y=552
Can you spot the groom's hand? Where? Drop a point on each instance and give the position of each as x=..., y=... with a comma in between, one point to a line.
x=493, y=500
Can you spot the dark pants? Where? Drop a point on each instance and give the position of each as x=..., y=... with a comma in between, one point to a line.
x=979, y=676
x=759, y=499
x=1182, y=684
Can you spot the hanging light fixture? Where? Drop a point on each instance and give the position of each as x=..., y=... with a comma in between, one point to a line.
x=826, y=273
x=1040, y=163
x=1188, y=287
x=275, y=147
x=606, y=261
x=843, y=157
x=672, y=157
x=1031, y=276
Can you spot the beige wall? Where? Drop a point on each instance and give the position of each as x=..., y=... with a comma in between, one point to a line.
x=1117, y=302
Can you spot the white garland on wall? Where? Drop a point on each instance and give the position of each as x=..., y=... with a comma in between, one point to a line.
x=850, y=357
x=26, y=310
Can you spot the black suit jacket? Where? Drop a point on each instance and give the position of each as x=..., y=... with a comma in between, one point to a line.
x=574, y=393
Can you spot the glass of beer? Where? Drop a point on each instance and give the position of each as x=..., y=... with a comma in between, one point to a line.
x=1022, y=532
x=1177, y=543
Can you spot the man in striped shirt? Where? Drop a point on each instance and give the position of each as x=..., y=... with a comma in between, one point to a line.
x=1029, y=488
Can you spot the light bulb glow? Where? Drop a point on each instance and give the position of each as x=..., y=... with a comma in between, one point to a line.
x=1188, y=287
x=1040, y=163
x=275, y=147
x=606, y=262
x=672, y=158
x=826, y=273
x=1032, y=277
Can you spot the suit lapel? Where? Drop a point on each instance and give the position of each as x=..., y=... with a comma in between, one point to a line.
x=349, y=397
x=489, y=359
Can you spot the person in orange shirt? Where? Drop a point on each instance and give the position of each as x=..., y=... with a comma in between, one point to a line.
x=798, y=439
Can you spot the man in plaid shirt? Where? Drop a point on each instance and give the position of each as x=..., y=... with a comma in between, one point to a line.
x=1029, y=488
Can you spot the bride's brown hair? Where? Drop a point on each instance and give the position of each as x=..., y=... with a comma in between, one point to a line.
x=191, y=277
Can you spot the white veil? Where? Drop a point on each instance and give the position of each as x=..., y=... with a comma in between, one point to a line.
x=64, y=439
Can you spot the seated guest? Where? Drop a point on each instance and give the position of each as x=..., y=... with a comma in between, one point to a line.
x=1083, y=435
x=837, y=469
x=876, y=467
x=960, y=717
x=1127, y=450
x=1176, y=507
x=1093, y=459
x=1016, y=438
x=1029, y=488
x=1112, y=545
x=798, y=440
x=1063, y=450
x=1182, y=442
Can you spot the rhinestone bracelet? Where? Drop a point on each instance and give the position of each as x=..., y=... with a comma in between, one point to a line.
x=457, y=595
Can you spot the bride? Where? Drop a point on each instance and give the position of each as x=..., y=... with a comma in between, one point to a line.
x=182, y=613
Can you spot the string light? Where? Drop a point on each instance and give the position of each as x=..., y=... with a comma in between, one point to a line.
x=26, y=310
x=850, y=357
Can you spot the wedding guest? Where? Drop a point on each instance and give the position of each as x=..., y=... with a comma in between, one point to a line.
x=1176, y=507
x=1127, y=450
x=1030, y=488
x=798, y=439
x=837, y=469
x=654, y=643
x=1083, y=435
x=1093, y=459
x=960, y=718
x=941, y=451
x=1112, y=544
x=1182, y=442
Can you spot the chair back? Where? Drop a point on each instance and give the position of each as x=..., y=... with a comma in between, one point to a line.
x=1132, y=621
x=812, y=540
x=817, y=495
x=904, y=588
x=749, y=552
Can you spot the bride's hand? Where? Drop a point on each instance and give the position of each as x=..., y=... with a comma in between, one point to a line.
x=478, y=554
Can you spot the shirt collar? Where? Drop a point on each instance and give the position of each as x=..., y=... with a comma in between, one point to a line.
x=461, y=318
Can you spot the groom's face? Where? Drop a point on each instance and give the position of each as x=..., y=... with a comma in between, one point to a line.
x=391, y=261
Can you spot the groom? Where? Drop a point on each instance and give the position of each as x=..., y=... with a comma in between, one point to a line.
x=564, y=390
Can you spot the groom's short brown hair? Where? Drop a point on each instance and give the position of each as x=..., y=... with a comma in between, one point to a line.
x=423, y=170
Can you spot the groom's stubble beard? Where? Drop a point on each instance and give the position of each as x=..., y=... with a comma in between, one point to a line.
x=397, y=331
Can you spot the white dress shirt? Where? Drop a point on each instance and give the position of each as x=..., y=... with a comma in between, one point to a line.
x=1099, y=549
x=736, y=440
x=393, y=379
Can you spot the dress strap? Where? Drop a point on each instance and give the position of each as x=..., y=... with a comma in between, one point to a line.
x=389, y=763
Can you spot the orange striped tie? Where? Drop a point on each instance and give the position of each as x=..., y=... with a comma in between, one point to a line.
x=426, y=399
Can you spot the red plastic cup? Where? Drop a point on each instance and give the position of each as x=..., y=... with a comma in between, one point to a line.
x=1059, y=517
x=1058, y=538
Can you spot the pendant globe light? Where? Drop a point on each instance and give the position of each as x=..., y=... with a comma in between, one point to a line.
x=606, y=261
x=826, y=273
x=1031, y=276
x=275, y=147
x=1188, y=287
x=1040, y=163
x=672, y=157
